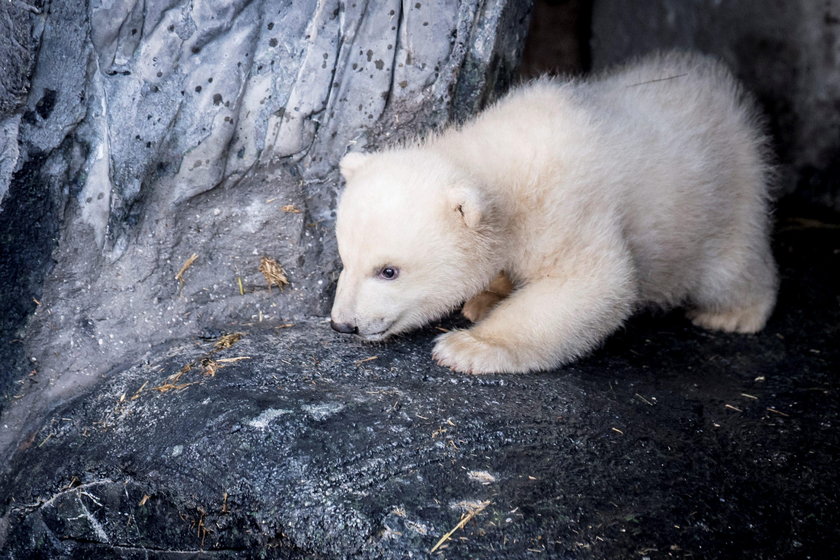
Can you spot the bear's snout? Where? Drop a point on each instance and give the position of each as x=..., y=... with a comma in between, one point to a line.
x=344, y=328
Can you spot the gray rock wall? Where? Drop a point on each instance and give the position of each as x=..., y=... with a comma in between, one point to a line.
x=16, y=46
x=787, y=53
x=154, y=131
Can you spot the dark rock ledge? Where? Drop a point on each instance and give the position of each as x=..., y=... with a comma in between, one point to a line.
x=670, y=442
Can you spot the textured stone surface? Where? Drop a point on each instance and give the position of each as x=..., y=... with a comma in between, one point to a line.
x=16, y=50
x=125, y=159
x=785, y=52
x=157, y=130
x=16, y=46
x=669, y=442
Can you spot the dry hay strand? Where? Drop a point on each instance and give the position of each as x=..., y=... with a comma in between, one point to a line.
x=184, y=267
x=273, y=272
x=464, y=520
x=363, y=360
x=139, y=391
x=166, y=387
x=225, y=508
x=231, y=360
x=212, y=366
x=208, y=366
x=291, y=209
x=228, y=340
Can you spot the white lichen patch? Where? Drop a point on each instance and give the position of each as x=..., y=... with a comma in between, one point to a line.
x=322, y=411
x=97, y=527
x=261, y=422
x=418, y=527
x=467, y=506
x=483, y=477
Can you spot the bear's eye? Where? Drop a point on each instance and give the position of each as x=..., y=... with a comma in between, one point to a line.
x=389, y=273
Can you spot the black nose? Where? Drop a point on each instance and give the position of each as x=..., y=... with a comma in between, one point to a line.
x=344, y=328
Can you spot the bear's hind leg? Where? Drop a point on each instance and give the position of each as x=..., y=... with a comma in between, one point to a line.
x=477, y=307
x=744, y=320
x=737, y=294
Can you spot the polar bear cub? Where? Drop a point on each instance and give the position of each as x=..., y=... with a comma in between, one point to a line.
x=560, y=210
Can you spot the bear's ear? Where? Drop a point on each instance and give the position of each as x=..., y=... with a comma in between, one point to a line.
x=467, y=202
x=350, y=163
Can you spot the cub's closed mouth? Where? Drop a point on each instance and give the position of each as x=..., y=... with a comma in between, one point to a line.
x=376, y=335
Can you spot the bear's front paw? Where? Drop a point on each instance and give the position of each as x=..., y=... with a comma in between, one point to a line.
x=467, y=353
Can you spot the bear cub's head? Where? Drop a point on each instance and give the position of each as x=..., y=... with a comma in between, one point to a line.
x=416, y=236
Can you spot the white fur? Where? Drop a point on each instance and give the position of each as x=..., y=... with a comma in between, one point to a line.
x=646, y=185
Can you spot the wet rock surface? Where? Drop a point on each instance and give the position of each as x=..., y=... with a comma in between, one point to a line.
x=294, y=442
